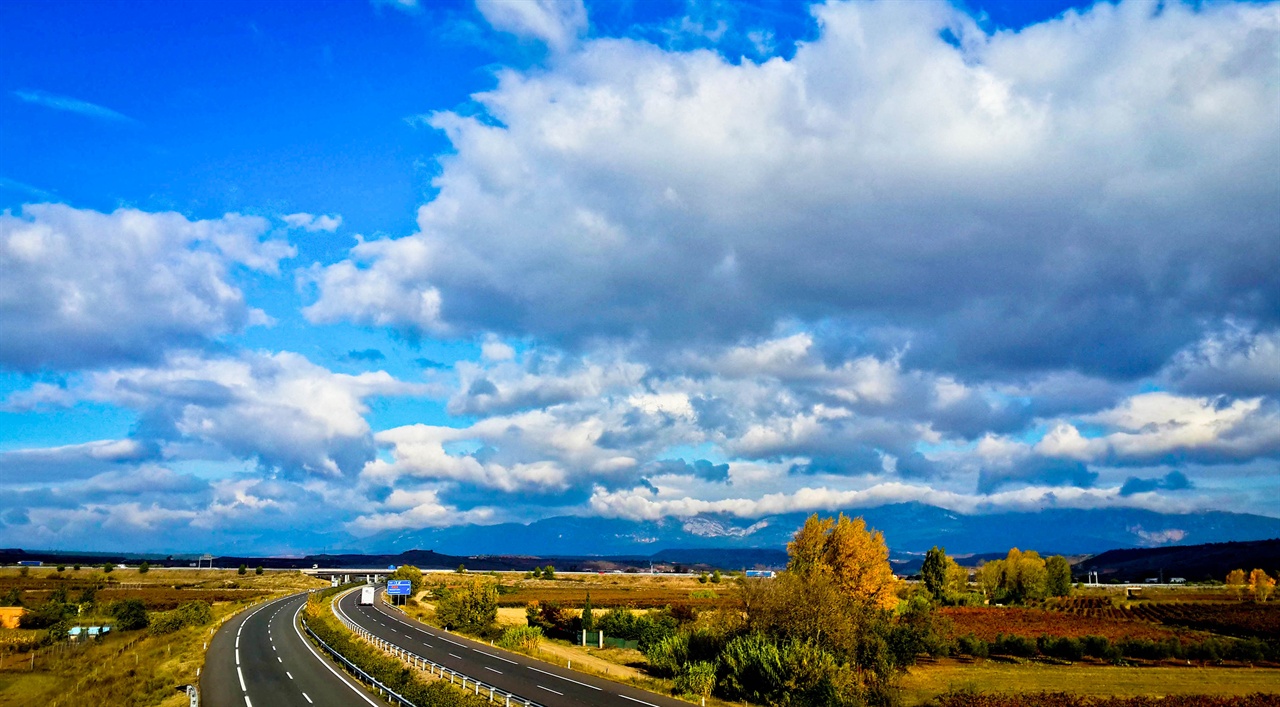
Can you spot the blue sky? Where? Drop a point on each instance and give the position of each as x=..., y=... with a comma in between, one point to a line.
x=275, y=276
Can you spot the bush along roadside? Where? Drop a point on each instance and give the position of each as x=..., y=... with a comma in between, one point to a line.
x=389, y=671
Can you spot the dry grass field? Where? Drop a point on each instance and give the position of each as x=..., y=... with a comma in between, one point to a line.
x=125, y=668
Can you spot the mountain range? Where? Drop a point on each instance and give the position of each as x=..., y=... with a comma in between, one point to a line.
x=908, y=528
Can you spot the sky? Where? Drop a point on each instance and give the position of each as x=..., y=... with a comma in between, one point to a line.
x=276, y=277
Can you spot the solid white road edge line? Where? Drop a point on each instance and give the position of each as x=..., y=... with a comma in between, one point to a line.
x=575, y=682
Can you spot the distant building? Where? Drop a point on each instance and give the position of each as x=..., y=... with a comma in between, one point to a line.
x=767, y=574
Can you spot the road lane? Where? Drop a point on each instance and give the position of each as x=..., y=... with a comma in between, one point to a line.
x=261, y=659
x=543, y=683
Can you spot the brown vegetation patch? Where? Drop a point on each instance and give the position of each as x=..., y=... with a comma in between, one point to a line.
x=988, y=622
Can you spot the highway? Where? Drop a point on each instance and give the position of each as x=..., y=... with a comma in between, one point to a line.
x=261, y=659
x=534, y=680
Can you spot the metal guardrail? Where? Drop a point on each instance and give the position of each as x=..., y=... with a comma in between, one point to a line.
x=357, y=671
x=479, y=687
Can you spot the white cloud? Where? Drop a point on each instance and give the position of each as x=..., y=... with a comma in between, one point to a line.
x=83, y=288
x=416, y=509
x=557, y=23
x=72, y=105
x=1028, y=201
x=640, y=504
x=312, y=223
x=279, y=409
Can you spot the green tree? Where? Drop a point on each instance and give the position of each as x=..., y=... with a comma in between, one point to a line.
x=107, y=567
x=144, y=568
x=75, y=567
x=588, y=621
x=471, y=607
x=242, y=570
x=702, y=578
x=12, y=598
x=258, y=569
x=1057, y=576
x=462, y=569
x=549, y=572
x=716, y=577
x=130, y=614
x=62, y=568
x=536, y=573
x=933, y=573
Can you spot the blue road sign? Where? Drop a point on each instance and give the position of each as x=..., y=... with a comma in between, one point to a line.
x=398, y=587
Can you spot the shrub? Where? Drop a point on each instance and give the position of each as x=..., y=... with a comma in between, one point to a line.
x=42, y=616
x=1097, y=647
x=144, y=568
x=716, y=577
x=242, y=570
x=258, y=570
x=697, y=679
x=970, y=644
x=1017, y=646
x=1065, y=648
x=521, y=638
x=669, y=656
x=130, y=614
x=472, y=607
x=63, y=568
x=752, y=670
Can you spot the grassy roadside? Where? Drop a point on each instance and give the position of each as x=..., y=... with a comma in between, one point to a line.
x=617, y=665
x=416, y=686
x=140, y=667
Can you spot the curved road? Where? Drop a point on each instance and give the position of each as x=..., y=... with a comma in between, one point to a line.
x=531, y=679
x=261, y=659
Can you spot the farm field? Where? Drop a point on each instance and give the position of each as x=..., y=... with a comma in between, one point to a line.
x=927, y=681
x=126, y=667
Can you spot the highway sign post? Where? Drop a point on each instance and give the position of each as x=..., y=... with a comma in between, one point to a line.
x=399, y=588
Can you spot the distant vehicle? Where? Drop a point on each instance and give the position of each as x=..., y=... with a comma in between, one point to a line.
x=30, y=563
x=366, y=596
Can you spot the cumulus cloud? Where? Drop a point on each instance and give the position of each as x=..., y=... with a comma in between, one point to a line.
x=71, y=461
x=83, y=288
x=1033, y=200
x=280, y=408
x=416, y=509
x=312, y=223
x=556, y=23
x=1234, y=361
x=640, y=503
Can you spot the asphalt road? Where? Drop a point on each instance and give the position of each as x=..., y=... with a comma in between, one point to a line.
x=261, y=659
x=531, y=679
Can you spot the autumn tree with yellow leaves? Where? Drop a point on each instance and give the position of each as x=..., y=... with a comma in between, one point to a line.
x=1236, y=583
x=1260, y=585
x=854, y=558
